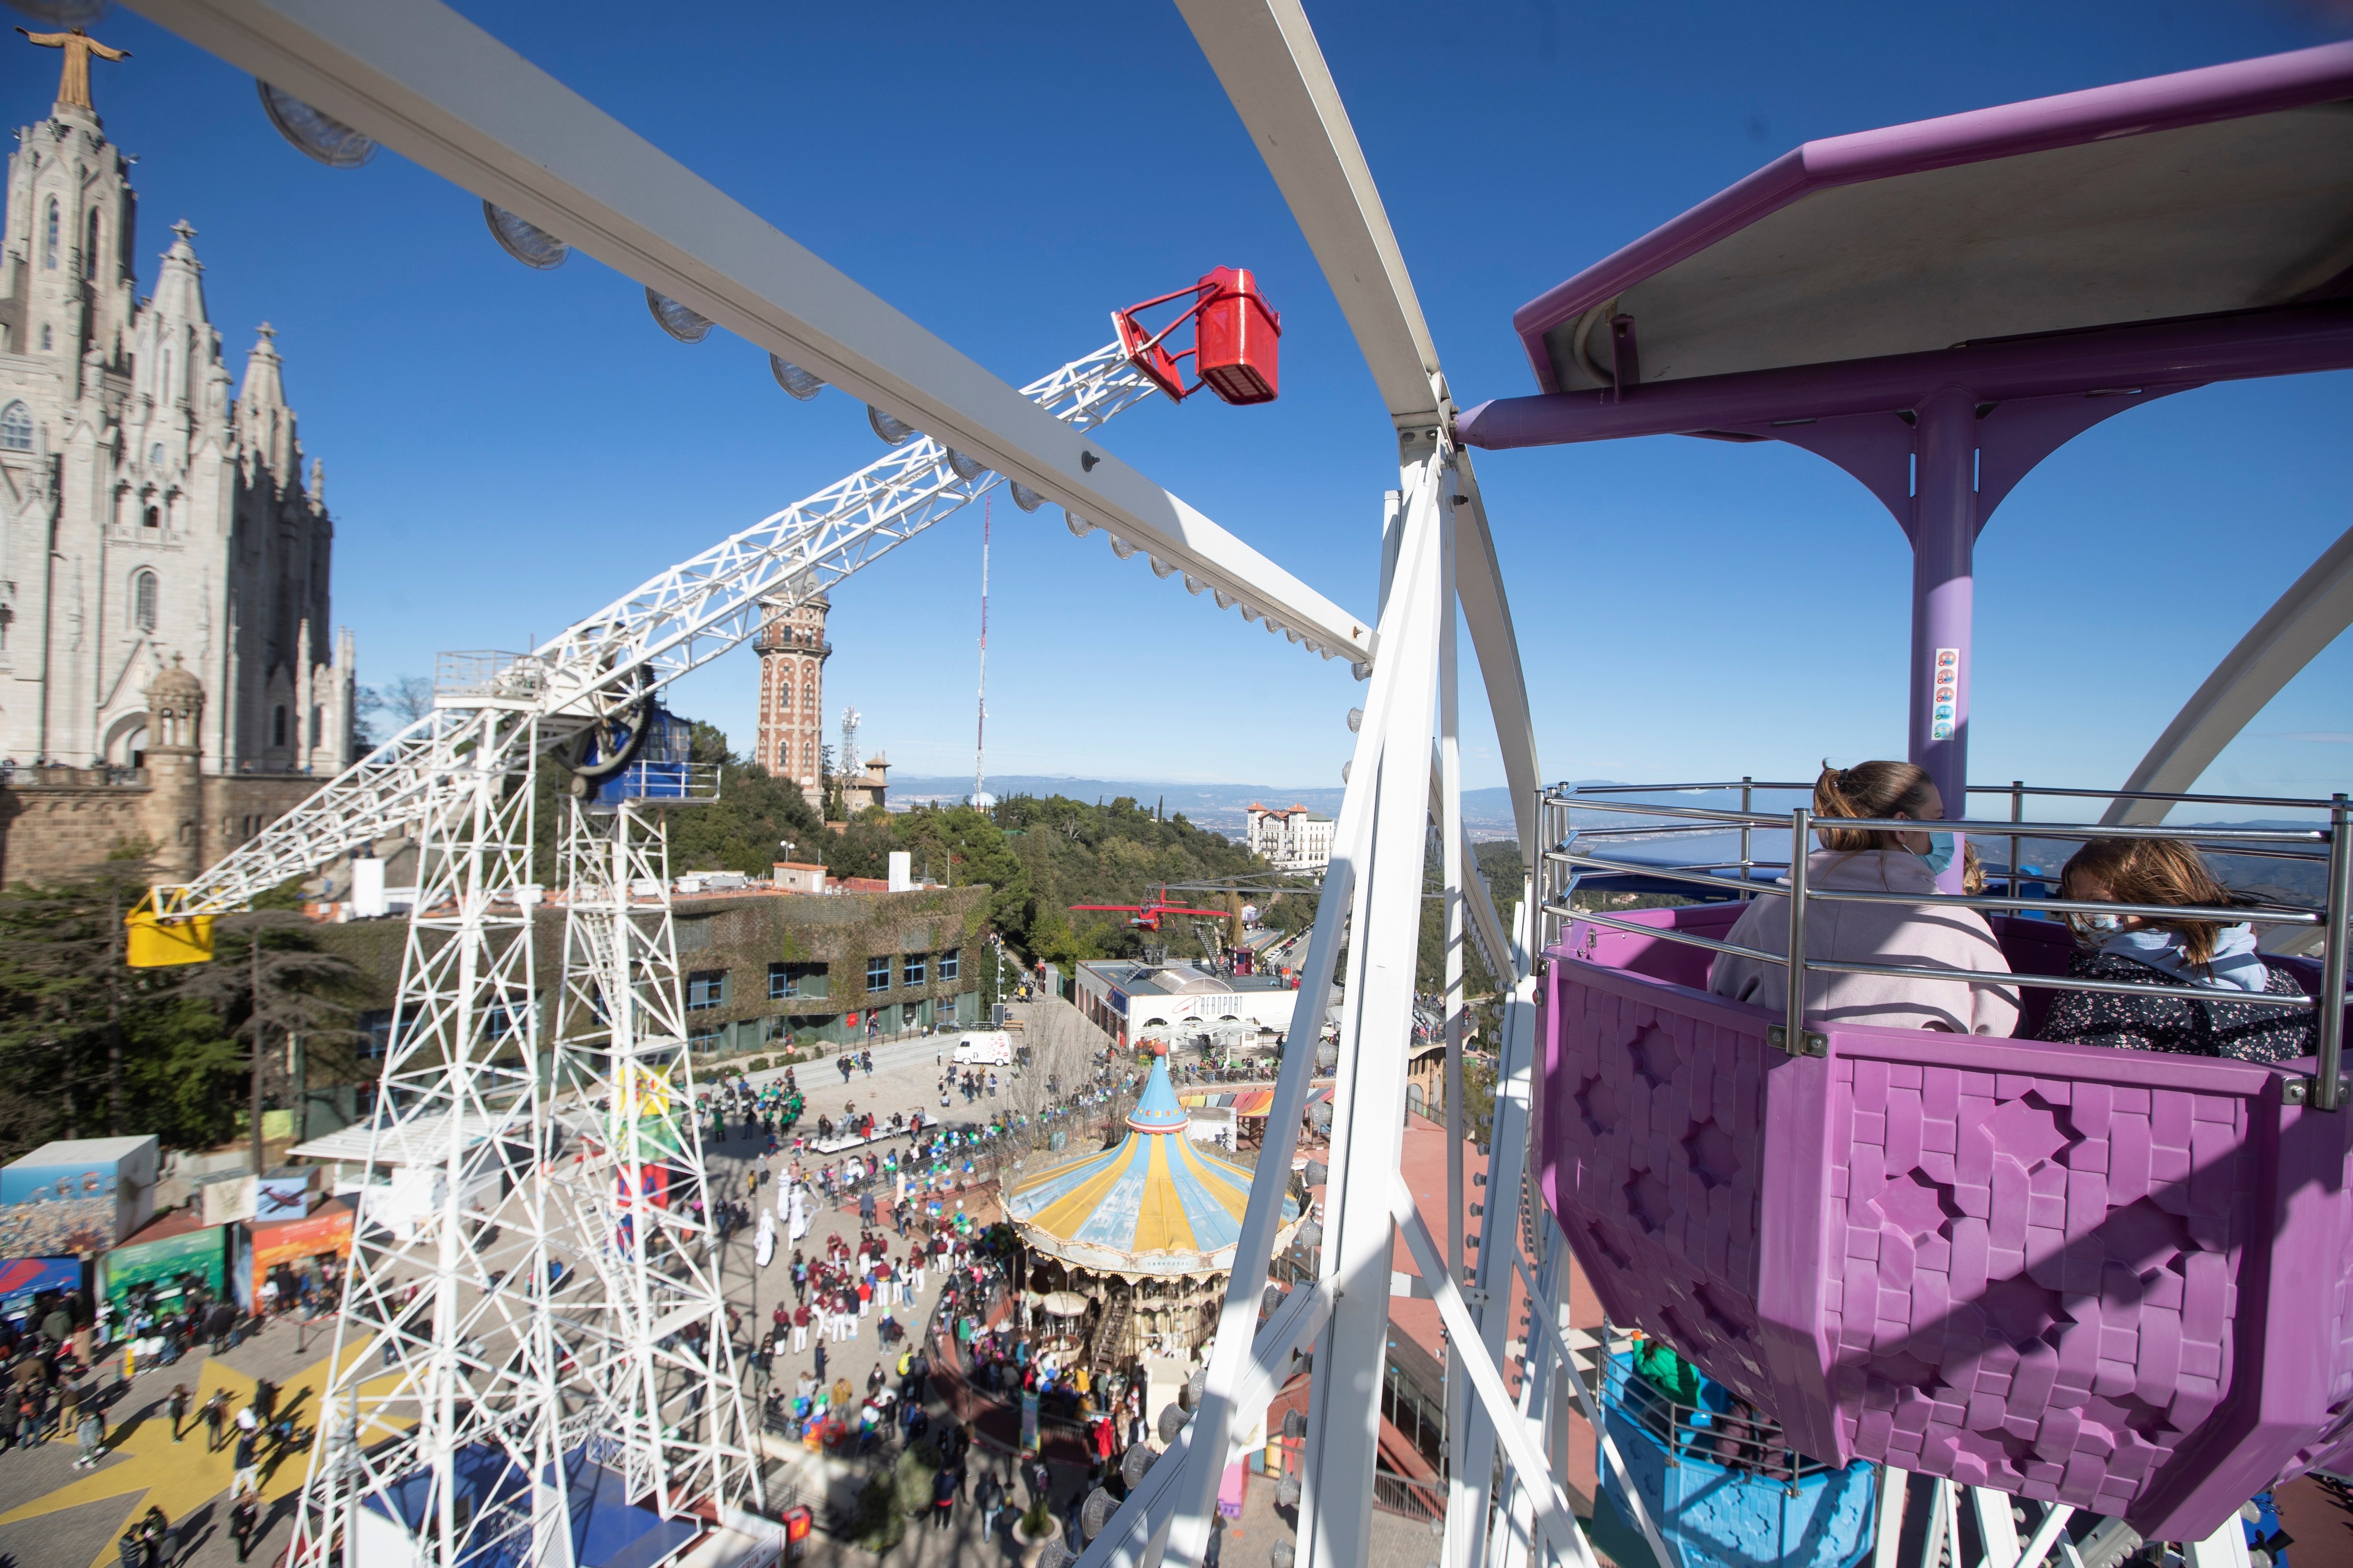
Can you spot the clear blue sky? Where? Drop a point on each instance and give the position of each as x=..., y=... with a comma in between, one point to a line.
x=506, y=450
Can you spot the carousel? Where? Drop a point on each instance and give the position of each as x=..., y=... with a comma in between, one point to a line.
x=1128, y=1249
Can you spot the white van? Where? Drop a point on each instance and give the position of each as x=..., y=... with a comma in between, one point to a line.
x=986, y=1048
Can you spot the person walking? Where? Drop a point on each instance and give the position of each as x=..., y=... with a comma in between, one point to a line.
x=988, y=1497
x=91, y=1434
x=249, y=1466
x=176, y=1404
x=244, y=1523
x=215, y=1414
x=943, y=1498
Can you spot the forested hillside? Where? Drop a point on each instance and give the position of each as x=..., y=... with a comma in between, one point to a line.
x=1040, y=855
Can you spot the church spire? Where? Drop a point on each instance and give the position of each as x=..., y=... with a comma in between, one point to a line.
x=268, y=423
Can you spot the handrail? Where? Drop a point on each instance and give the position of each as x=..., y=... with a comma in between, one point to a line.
x=2324, y=1090
x=2236, y=914
x=2283, y=802
x=1982, y=827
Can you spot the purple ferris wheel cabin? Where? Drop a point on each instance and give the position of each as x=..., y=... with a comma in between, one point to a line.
x=2115, y=1280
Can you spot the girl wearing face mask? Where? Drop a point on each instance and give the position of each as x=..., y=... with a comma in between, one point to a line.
x=1919, y=936
x=2206, y=954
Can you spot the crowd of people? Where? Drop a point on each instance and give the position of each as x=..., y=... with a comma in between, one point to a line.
x=2215, y=957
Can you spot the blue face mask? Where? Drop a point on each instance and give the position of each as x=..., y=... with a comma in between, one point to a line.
x=1940, y=853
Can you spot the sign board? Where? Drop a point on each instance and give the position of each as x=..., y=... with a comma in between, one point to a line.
x=75, y=1196
x=328, y=1231
x=160, y=1263
x=22, y=1280
x=280, y=1196
x=230, y=1200
x=1944, y=694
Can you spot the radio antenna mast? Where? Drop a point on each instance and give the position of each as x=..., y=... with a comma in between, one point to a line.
x=980, y=797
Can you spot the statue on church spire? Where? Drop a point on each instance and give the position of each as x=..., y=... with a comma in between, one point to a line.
x=73, y=80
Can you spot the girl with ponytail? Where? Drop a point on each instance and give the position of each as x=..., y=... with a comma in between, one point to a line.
x=1919, y=936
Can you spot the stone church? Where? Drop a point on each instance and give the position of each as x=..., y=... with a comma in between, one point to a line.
x=154, y=517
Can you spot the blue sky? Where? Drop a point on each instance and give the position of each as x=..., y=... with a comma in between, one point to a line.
x=506, y=450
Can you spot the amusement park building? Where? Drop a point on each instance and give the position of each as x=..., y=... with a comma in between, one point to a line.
x=762, y=968
x=147, y=515
x=1130, y=1001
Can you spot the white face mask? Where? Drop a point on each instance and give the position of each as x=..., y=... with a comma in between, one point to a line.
x=2106, y=925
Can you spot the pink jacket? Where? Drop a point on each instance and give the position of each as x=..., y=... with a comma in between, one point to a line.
x=1921, y=936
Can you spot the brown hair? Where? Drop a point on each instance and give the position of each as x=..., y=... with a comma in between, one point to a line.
x=1880, y=789
x=2151, y=871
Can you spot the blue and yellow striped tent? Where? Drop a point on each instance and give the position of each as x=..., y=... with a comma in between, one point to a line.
x=1158, y=1203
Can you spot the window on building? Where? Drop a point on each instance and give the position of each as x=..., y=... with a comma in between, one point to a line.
x=374, y=1031
x=90, y=250
x=143, y=602
x=277, y=725
x=776, y=1030
x=50, y=247
x=910, y=1015
x=16, y=428
x=878, y=974
x=789, y=980
x=153, y=518
x=951, y=966
x=706, y=988
x=704, y=1041
x=155, y=456
x=915, y=969
x=47, y=341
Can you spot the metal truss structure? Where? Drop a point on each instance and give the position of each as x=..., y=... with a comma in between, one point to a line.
x=477, y=1355
x=646, y=1333
x=447, y=1395
x=663, y=628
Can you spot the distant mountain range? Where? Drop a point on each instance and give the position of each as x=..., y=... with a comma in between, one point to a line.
x=1486, y=812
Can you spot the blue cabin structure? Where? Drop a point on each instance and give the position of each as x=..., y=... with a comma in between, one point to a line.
x=1723, y=1488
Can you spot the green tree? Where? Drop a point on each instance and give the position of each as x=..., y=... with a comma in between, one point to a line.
x=90, y=1045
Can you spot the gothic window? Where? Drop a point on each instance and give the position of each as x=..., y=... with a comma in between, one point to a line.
x=17, y=428
x=89, y=251
x=153, y=518
x=277, y=725
x=49, y=241
x=47, y=341
x=155, y=456
x=143, y=600
x=786, y=699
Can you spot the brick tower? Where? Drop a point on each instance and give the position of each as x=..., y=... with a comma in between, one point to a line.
x=793, y=651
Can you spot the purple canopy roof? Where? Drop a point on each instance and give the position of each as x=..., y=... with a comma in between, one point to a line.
x=2222, y=190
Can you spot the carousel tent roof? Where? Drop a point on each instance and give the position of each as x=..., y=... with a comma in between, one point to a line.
x=1249, y=1101
x=1156, y=1204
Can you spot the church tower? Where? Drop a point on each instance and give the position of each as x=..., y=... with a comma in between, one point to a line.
x=152, y=517
x=793, y=651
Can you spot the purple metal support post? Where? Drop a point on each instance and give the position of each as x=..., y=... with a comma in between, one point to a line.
x=1943, y=543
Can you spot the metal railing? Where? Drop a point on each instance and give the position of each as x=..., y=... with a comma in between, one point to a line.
x=1738, y=1439
x=1564, y=863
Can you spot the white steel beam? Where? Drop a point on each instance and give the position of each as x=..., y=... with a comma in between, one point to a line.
x=1369, y=1094
x=1266, y=55
x=1267, y=58
x=423, y=80
x=1487, y=611
x=1555, y=1522
x=1351, y=844
x=1123, y=1540
x=2306, y=619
